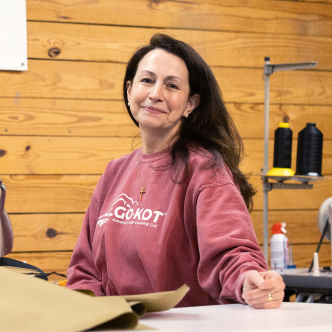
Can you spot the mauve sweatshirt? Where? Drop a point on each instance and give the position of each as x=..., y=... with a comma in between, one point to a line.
x=197, y=232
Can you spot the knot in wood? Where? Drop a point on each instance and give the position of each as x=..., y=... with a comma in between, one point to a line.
x=51, y=233
x=285, y=118
x=54, y=52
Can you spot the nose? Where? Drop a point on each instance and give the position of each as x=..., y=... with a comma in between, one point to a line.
x=156, y=92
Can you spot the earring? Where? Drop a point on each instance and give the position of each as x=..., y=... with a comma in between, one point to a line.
x=128, y=103
x=186, y=115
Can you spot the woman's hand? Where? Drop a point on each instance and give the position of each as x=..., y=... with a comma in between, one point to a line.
x=263, y=290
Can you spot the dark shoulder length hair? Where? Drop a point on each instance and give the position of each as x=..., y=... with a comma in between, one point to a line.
x=209, y=126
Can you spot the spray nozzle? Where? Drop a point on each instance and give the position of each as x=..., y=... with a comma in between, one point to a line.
x=279, y=228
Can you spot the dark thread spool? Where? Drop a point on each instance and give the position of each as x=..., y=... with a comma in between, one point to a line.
x=309, y=151
x=283, y=136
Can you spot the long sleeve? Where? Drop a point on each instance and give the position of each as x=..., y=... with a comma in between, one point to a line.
x=82, y=273
x=227, y=243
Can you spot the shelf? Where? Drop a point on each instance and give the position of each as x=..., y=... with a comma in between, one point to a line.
x=280, y=181
x=299, y=178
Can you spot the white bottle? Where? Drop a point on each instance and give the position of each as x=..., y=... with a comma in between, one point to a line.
x=279, y=247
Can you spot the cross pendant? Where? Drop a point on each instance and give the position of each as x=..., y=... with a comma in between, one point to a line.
x=142, y=192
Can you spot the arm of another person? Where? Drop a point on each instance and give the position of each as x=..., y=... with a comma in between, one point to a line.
x=82, y=273
x=230, y=258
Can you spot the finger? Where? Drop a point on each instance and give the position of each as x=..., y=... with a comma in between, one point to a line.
x=266, y=301
x=274, y=303
x=268, y=297
x=268, y=305
x=258, y=296
x=275, y=286
x=272, y=280
x=253, y=278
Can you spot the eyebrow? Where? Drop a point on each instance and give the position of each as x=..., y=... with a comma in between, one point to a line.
x=168, y=77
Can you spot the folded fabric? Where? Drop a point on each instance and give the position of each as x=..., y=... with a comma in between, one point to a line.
x=31, y=304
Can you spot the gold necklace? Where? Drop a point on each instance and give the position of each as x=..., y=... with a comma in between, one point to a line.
x=143, y=191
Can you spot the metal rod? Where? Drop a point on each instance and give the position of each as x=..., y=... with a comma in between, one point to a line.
x=291, y=66
x=265, y=219
x=266, y=160
x=330, y=221
x=266, y=116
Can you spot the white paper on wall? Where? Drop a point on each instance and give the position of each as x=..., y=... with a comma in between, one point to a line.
x=13, y=35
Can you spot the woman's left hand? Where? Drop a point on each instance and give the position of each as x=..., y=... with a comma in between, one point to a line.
x=263, y=290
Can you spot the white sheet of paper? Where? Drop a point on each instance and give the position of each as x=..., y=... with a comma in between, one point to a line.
x=13, y=35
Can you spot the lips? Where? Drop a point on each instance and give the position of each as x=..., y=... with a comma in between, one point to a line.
x=154, y=110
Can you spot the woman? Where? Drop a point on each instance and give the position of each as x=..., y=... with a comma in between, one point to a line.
x=175, y=211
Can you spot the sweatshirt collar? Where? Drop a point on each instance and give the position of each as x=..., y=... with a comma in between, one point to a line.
x=151, y=157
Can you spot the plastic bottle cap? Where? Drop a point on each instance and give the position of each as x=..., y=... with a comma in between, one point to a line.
x=292, y=266
x=283, y=125
x=279, y=228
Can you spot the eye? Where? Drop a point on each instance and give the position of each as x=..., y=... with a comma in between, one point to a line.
x=146, y=80
x=173, y=86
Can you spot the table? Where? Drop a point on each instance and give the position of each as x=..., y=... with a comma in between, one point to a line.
x=290, y=317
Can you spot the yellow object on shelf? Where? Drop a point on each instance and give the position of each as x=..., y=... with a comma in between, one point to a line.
x=277, y=171
x=283, y=125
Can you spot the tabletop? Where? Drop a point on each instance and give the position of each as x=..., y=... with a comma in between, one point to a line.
x=290, y=317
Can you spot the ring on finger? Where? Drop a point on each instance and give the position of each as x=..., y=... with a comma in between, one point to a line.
x=269, y=298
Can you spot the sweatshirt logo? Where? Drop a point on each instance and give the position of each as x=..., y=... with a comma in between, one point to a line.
x=124, y=210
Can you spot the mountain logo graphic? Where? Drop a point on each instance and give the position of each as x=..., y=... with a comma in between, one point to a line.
x=126, y=210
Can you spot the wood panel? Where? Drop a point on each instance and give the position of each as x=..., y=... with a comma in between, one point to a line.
x=65, y=117
x=72, y=193
x=318, y=1
x=55, y=79
x=93, y=43
x=45, y=232
x=86, y=155
x=272, y=17
x=72, y=117
x=59, y=261
x=301, y=226
x=60, y=155
x=249, y=119
x=49, y=193
x=59, y=232
x=86, y=80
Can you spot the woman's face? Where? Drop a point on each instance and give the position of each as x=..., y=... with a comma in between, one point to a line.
x=159, y=94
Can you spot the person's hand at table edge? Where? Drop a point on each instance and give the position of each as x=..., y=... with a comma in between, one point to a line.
x=263, y=290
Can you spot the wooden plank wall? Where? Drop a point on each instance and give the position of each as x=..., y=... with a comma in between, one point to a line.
x=63, y=119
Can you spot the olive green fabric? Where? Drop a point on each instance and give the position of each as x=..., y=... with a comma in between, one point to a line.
x=32, y=304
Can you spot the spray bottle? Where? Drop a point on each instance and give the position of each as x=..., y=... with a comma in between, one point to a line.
x=279, y=247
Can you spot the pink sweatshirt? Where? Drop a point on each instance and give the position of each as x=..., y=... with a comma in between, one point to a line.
x=197, y=233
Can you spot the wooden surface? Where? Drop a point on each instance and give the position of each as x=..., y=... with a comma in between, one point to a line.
x=270, y=17
x=92, y=43
x=100, y=80
x=90, y=118
x=63, y=120
x=54, y=154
